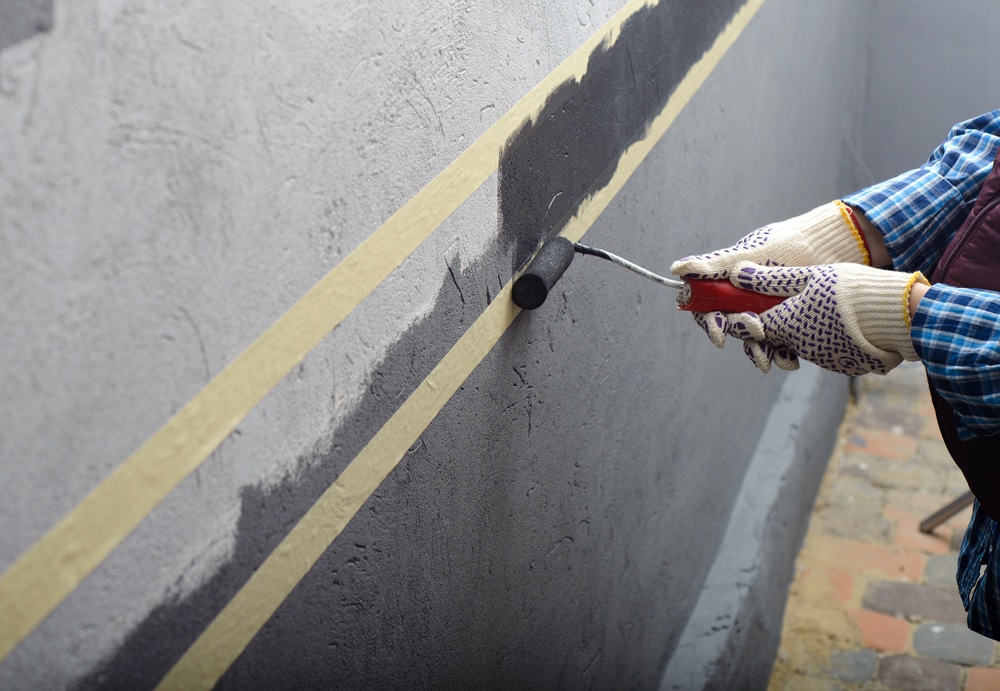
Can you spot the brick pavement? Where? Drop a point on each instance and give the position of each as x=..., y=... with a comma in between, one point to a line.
x=873, y=604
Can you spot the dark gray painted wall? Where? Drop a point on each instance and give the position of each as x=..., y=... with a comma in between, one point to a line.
x=571, y=149
x=731, y=638
x=21, y=19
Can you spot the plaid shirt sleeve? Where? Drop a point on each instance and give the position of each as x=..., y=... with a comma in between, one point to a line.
x=956, y=333
x=919, y=211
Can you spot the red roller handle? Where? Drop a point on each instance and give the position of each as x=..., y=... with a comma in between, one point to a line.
x=723, y=296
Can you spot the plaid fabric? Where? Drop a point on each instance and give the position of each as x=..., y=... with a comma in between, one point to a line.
x=956, y=331
x=979, y=574
x=919, y=211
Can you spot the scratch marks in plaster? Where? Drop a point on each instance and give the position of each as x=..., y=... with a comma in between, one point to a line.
x=488, y=106
x=262, y=136
x=584, y=12
x=184, y=41
x=430, y=102
x=444, y=45
x=524, y=407
x=22, y=19
x=137, y=136
x=201, y=341
x=190, y=182
x=458, y=287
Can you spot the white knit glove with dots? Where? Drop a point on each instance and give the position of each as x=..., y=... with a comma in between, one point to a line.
x=825, y=235
x=846, y=318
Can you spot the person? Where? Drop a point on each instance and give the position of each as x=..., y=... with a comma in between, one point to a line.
x=858, y=300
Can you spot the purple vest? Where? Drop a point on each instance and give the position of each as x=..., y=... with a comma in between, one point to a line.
x=972, y=260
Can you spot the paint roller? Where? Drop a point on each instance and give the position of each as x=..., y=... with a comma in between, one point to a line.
x=555, y=255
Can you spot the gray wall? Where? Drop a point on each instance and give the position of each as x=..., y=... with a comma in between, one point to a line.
x=175, y=176
x=930, y=66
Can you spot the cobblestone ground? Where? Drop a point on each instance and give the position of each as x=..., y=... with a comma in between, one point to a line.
x=874, y=604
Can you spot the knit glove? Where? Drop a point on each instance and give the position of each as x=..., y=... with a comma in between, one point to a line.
x=825, y=235
x=846, y=318
x=747, y=327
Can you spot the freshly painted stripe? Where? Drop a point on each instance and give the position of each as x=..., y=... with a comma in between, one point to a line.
x=555, y=162
x=20, y=21
x=227, y=636
x=55, y=565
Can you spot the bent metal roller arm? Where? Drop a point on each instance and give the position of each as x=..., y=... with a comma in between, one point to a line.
x=554, y=257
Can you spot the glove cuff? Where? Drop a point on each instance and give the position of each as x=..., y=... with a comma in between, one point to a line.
x=883, y=310
x=830, y=235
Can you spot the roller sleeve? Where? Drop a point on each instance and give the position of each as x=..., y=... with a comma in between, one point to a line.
x=533, y=286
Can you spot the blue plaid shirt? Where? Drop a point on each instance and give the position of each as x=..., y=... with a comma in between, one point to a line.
x=956, y=331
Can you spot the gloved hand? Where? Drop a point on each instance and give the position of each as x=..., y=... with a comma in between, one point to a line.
x=825, y=235
x=846, y=318
x=747, y=327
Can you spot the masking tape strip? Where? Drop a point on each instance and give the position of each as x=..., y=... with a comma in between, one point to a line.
x=231, y=631
x=55, y=565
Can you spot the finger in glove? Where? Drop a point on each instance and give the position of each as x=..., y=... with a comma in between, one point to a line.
x=785, y=359
x=714, y=324
x=713, y=265
x=763, y=355
x=745, y=326
x=760, y=354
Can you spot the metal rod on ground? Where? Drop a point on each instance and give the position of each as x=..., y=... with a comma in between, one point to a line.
x=945, y=512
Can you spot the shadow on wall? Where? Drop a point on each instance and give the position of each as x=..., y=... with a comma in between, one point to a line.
x=22, y=19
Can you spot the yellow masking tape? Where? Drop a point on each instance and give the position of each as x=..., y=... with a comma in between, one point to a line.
x=227, y=636
x=55, y=565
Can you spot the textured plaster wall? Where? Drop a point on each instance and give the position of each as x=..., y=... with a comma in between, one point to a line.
x=175, y=175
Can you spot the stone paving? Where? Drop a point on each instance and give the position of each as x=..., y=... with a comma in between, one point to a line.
x=873, y=604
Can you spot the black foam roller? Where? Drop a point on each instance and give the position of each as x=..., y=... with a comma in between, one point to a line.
x=533, y=286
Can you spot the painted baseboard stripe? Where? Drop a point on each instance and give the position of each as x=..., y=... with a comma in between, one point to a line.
x=231, y=631
x=55, y=565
